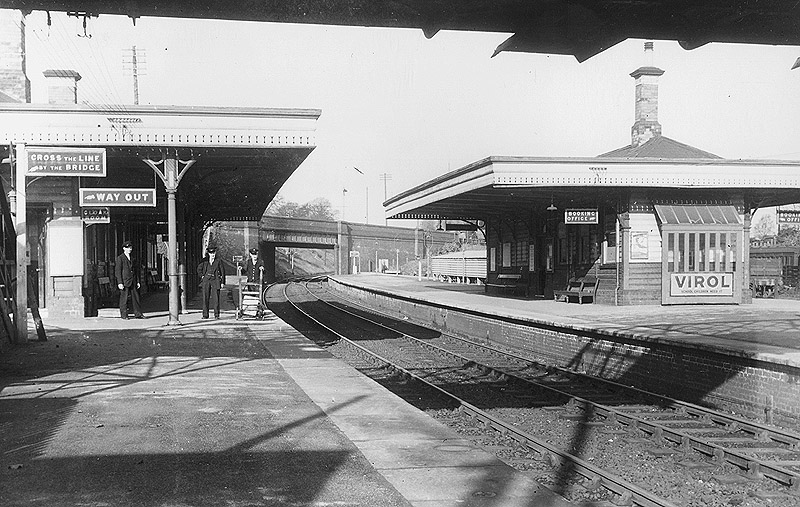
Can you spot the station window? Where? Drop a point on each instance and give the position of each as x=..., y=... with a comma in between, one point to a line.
x=520, y=254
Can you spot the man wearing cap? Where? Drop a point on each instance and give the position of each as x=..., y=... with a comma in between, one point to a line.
x=212, y=275
x=127, y=282
x=254, y=267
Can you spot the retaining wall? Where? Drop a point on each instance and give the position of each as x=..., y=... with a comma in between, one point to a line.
x=748, y=386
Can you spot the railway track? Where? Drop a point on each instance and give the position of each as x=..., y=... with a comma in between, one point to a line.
x=463, y=368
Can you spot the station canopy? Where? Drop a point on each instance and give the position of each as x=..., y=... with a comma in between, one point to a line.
x=242, y=155
x=581, y=29
x=515, y=186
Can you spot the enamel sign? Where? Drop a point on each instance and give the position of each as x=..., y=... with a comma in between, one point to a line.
x=581, y=216
x=66, y=161
x=96, y=215
x=92, y=197
x=701, y=284
x=788, y=216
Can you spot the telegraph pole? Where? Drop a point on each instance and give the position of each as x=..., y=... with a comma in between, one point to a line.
x=133, y=61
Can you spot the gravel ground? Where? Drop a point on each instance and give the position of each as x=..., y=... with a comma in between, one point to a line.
x=687, y=480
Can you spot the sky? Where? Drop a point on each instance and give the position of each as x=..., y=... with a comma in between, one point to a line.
x=404, y=109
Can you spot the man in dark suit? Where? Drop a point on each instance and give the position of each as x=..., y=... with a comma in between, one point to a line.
x=254, y=267
x=212, y=276
x=127, y=282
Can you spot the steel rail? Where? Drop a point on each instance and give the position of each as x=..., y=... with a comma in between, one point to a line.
x=612, y=482
x=754, y=467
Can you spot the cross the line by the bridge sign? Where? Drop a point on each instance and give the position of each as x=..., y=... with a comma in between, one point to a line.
x=118, y=197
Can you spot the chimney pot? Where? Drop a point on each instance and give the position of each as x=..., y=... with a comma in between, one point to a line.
x=62, y=86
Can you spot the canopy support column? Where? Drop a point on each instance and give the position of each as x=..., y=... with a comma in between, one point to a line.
x=21, y=228
x=171, y=175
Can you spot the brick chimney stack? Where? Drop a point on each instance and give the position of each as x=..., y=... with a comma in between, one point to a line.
x=14, y=83
x=646, y=126
x=62, y=86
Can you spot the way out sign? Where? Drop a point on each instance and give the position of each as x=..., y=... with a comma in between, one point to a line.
x=118, y=197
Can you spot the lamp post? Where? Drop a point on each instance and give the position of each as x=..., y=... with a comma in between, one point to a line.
x=427, y=240
x=416, y=252
x=385, y=177
x=366, y=196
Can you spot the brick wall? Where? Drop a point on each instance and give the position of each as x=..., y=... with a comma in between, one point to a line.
x=646, y=125
x=708, y=378
x=62, y=86
x=13, y=81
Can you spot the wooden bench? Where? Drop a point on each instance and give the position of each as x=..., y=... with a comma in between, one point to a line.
x=506, y=281
x=582, y=288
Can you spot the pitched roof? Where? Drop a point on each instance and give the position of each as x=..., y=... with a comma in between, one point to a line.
x=4, y=97
x=659, y=147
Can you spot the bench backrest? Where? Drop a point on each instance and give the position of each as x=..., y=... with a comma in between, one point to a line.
x=588, y=284
x=507, y=276
x=574, y=283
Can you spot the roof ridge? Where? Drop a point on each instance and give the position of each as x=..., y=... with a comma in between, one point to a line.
x=660, y=147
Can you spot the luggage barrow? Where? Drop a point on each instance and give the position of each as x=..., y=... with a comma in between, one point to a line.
x=250, y=304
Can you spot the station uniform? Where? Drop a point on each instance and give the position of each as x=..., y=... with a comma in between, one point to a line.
x=252, y=269
x=212, y=276
x=127, y=282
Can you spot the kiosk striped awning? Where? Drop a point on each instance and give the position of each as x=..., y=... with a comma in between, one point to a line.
x=698, y=214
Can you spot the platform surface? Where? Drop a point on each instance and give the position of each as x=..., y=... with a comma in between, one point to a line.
x=111, y=412
x=768, y=329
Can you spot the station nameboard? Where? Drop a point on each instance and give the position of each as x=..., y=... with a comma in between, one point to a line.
x=47, y=161
x=581, y=216
x=142, y=197
x=788, y=216
x=96, y=215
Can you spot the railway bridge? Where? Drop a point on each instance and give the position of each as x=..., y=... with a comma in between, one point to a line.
x=356, y=247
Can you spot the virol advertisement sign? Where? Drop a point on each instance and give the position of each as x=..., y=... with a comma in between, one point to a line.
x=701, y=284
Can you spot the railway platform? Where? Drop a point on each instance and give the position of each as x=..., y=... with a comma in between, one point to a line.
x=746, y=357
x=222, y=412
x=768, y=329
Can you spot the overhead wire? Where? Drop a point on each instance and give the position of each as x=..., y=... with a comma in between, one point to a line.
x=47, y=40
x=104, y=69
x=62, y=49
x=111, y=98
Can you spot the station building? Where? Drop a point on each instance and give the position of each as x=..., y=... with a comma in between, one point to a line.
x=80, y=179
x=156, y=176
x=654, y=222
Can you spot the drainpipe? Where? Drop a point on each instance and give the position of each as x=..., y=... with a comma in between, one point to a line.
x=616, y=261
